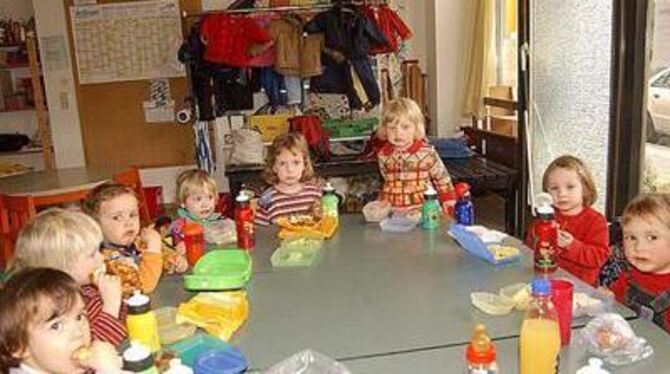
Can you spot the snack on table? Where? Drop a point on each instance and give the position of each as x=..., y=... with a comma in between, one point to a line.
x=501, y=252
x=519, y=293
x=491, y=303
x=302, y=219
x=609, y=339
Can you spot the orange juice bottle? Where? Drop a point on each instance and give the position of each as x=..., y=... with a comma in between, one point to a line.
x=540, y=340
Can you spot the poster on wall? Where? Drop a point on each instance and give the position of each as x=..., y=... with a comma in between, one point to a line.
x=127, y=41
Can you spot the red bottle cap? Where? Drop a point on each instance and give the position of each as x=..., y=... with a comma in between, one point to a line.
x=461, y=189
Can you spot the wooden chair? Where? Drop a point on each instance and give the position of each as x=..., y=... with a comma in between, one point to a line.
x=132, y=179
x=15, y=212
x=57, y=198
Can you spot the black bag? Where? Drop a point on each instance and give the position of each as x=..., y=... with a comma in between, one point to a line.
x=13, y=142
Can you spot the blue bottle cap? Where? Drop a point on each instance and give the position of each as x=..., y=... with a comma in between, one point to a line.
x=540, y=287
x=221, y=361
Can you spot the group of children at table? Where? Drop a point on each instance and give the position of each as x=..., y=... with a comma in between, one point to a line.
x=57, y=301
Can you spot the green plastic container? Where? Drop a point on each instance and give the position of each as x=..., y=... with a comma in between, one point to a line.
x=221, y=269
x=344, y=128
x=296, y=252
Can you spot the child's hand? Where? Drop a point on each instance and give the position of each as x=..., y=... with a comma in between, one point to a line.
x=448, y=207
x=181, y=248
x=111, y=293
x=565, y=239
x=181, y=264
x=103, y=358
x=152, y=238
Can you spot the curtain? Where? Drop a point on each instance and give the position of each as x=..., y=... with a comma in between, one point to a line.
x=480, y=69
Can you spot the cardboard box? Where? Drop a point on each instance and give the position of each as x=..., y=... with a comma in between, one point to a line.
x=504, y=125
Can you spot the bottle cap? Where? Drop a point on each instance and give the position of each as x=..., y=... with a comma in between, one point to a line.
x=328, y=189
x=540, y=287
x=242, y=198
x=138, y=303
x=430, y=192
x=137, y=357
x=544, y=205
x=594, y=367
x=176, y=367
x=461, y=189
x=480, y=350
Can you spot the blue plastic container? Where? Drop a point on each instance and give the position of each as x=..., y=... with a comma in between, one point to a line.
x=221, y=361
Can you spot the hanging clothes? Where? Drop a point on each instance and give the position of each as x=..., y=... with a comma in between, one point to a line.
x=232, y=39
x=390, y=24
x=203, y=150
x=295, y=54
x=348, y=37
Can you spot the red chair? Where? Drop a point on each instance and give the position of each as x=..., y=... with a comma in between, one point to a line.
x=15, y=212
x=131, y=178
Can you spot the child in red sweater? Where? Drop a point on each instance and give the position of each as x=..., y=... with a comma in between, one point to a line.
x=644, y=280
x=583, y=242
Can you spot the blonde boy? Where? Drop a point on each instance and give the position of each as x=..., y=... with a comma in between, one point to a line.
x=70, y=241
x=197, y=195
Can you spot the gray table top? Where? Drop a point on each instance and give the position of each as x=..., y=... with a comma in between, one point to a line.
x=51, y=182
x=572, y=357
x=369, y=293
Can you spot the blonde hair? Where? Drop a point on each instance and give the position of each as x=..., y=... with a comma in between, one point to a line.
x=403, y=109
x=295, y=143
x=192, y=180
x=56, y=238
x=590, y=195
x=648, y=206
x=102, y=193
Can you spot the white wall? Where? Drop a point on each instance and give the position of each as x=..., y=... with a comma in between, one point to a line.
x=60, y=89
x=440, y=42
x=21, y=9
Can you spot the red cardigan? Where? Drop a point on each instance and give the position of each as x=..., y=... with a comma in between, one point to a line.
x=652, y=283
x=590, y=248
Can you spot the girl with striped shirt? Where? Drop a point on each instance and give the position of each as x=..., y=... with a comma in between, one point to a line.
x=290, y=172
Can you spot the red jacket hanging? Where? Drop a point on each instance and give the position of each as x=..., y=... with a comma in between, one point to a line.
x=232, y=39
x=390, y=24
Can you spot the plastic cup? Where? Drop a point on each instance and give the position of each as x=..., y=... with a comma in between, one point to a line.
x=194, y=239
x=561, y=295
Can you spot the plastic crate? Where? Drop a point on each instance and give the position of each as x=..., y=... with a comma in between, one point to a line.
x=221, y=269
x=344, y=128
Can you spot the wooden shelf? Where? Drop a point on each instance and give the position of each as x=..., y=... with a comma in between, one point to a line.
x=29, y=109
x=23, y=151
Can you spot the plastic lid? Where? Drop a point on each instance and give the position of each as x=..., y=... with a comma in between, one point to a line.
x=138, y=303
x=594, y=367
x=540, y=287
x=191, y=228
x=480, y=350
x=242, y=198
x=137, y=357
x=221, y=361
x=544, y=204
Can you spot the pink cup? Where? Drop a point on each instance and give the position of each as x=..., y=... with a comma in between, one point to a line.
x=561, y=296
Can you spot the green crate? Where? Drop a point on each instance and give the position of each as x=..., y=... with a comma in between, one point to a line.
x=346, y=128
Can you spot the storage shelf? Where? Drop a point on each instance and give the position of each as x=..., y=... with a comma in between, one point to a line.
x=23, y=151
x=30, y=109
x=14, y=67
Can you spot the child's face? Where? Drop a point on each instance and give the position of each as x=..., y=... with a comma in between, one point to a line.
x=566, y=189
x=647, y=245
x=120, y=219
x=400, y=133
x=51, y=343
x=289, y=167
x=86, y=265
x=201, y=203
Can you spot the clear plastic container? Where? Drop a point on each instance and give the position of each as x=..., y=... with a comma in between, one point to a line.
x=491, y=303
x=296, y=252
x=375, y=211
x=168, y=329
x=398, y=223
x=221, y=232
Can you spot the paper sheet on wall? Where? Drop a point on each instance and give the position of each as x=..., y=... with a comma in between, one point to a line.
x=127, y=41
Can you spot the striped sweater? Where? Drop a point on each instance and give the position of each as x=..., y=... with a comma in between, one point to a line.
x=275, y=203
x=104, y=327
